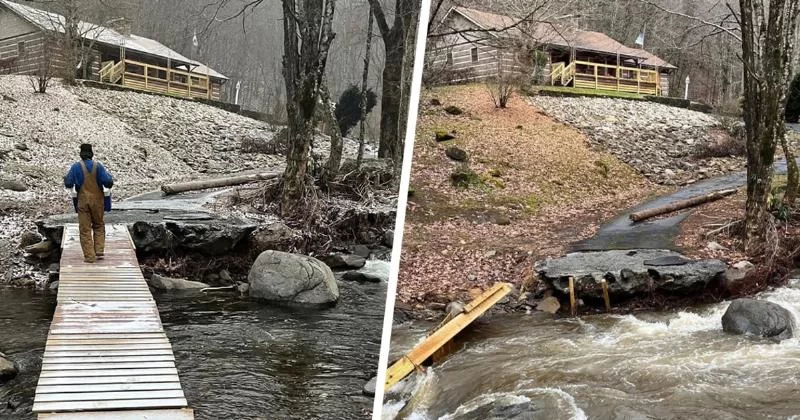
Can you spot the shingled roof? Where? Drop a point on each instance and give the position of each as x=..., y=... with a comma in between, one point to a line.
x=54, y=22
x=559, y=36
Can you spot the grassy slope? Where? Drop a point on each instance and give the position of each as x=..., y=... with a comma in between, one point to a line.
x=550, y=184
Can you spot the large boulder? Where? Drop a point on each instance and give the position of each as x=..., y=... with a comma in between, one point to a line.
x=630, y=272
x=166, y=283
x=760, y=318
x=290, y=278
x=8, y=369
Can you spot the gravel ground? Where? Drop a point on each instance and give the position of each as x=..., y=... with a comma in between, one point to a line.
x=144, y=141
x=658, y=140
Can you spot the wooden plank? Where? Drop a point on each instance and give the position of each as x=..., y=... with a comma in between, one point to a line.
x=109, y=405
x=108, y=359
x=53, y=353
x=108, y=366
x=105, y=396
x=108, y=372
x=162, y=414
x=441, y=336
x=108, y=380
x=141, y=386
x=133, y=346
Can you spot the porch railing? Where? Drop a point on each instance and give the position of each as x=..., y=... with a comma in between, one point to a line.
x=157, y=79
x=585, y=74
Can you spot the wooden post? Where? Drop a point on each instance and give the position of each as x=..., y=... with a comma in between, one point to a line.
x=146, y=74
x=169, y=73
x=572, y=308
x=595, y=77
x=123, y=65
x=605, y=295
x=639, y=79
x=658, y=82
x=208, y=81
x=617, y=71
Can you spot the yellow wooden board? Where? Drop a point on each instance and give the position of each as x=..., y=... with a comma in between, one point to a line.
x=441, y=336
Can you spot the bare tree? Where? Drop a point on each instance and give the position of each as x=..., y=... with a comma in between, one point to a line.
x=45, y=67
x=768, y=36
x=364, y=81
x=395, y=73
x=307, y=37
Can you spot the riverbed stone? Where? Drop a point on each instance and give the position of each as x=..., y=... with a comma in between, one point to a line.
x=374, y=271
x=388, y=238
x=166, y=283
x=502, y=408
x=274, y=236
x=550, y=304
x=8, y=369
x=369, y=387
x=291, y=278
x=28, y=238
x=760, y=318
x=627, y=274
x=344, y=261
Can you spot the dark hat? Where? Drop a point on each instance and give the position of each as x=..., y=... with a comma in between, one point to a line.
x=86, y=151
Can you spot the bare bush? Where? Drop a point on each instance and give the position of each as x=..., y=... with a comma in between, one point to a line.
x=721, y=144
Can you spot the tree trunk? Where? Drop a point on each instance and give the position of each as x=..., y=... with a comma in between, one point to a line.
x=307, y=35
x=335, y=157
x=216, y=183
x=767, y=48
x=391, y=101
x=792, y=174
x=680, y=205
x=364, y=82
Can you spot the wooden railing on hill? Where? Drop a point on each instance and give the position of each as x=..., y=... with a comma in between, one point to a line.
x=157, y=79
x=588, y=75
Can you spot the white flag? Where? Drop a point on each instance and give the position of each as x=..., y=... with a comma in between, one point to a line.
x=194, y=40
x=640, y=39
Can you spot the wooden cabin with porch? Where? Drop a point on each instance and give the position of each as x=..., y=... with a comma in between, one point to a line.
x=473, y=50
x=28, y=38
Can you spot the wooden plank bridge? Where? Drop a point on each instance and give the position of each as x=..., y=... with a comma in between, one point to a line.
x=107, y=356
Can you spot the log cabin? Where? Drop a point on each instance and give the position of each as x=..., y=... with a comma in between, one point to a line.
x=467, y=46
x=30, y=42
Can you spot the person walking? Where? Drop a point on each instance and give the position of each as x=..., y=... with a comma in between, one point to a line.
x=88, y=178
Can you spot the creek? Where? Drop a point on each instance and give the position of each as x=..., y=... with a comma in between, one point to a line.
x=667, y=365
x=237, y=359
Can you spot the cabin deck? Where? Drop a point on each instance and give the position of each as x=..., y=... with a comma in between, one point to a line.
x=584, y=74
x=166, y=81
x=106, y=349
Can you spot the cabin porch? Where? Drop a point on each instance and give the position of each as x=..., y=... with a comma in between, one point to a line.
x=589, y=75
x=157, y=79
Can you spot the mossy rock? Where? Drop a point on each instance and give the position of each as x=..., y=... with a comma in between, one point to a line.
x=464, y=177
x=457, y=154
x=453, y=110
x=442, y=135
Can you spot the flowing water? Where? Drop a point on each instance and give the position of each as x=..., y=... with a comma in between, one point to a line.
x=677, y=365
x=236, y=359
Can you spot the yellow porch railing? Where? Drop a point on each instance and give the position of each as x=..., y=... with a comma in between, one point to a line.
x=585, y=74
x=157, y=79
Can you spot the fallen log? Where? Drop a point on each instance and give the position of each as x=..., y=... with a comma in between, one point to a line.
x=680, y=205
x=169, y=189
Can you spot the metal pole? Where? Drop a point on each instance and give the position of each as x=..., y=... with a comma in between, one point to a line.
x=238, y=86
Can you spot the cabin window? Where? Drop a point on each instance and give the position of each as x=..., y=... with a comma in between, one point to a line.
x=449, y=58
x=21, y=48
x=474, y=53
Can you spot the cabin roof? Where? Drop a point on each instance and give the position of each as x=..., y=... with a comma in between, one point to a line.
x=54, y=22
x=555, y=35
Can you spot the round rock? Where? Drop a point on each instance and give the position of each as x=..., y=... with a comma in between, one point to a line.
x=760, y=318
x=291, y=278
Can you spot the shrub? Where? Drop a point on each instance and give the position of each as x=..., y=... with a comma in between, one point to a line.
x=722, y=144
x=348, y=108
x=792, y=113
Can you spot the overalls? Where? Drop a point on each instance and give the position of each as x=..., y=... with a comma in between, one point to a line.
x=90, y=215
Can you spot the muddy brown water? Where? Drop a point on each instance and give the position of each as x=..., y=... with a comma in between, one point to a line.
x=236, y=359
x=670, y=365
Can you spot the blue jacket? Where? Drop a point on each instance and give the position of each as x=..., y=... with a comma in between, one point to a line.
x=74, y=177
